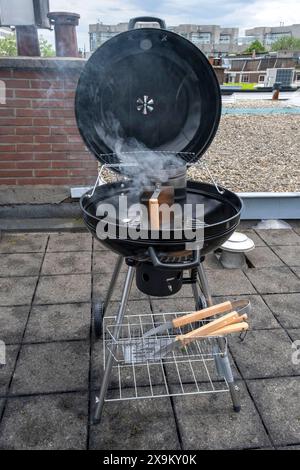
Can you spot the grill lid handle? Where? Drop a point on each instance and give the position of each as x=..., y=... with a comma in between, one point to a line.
x=146, y=19
x=169, y=266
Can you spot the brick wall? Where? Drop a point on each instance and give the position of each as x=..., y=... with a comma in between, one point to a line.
x=39, y=140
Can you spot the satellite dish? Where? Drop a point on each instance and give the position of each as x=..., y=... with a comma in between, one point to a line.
x=24, y=13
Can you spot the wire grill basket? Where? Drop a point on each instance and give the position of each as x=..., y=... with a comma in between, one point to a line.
x=183, y=371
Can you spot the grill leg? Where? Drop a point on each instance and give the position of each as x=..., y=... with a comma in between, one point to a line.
x=196, y=295
x=204, y=285
x=109, y=364
x=113, y=282
x=224, y=360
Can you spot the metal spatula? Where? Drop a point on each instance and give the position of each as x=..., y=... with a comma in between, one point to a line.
x=158, y=348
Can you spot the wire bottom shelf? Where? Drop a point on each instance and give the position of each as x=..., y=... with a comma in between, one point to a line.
x=188, y=371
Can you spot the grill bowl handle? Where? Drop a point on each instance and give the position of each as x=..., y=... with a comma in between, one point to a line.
x=170, y=266
x=146, y=19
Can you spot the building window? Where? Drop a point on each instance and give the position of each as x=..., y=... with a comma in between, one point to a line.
x=245, y=78
x=272, y=37
x=261, y=78
x=231, y=78
x=201, y=38
x=224, y=38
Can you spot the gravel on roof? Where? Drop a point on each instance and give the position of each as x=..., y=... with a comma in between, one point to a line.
x=255, y=153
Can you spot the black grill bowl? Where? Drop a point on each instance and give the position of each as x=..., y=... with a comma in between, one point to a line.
x=221, y=216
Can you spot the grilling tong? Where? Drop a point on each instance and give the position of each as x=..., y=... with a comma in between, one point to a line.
x=153, y=348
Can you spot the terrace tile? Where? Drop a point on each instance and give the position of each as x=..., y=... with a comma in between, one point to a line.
x=60, y=242
x=278, y=403
x=274, y=280
x=17, y=290
x=23, y=242
x=264, y=353
x=55, y=422
x=150, y=425
x=63, y=289
x=286, y=308
x=66, y=263
x=213, y=424
x=58, y=322
x=104, y=262
x=20, y=264
x=279, y=237
x=229, y=282
x=52, y=367
x=263, y=257
x=12, y=323
x=295, y=335
x=289, y=254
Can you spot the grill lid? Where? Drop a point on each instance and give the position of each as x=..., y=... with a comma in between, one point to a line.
x=147, y=88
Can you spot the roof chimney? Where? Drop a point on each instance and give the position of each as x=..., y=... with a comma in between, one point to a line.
x=27, y=41
x=65, y=33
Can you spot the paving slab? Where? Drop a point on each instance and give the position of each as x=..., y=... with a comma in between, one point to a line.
x=63, y=289
x=58, y=322
x=279, y=237
x=289, y=254
x=260, y=316
x=67, y=263
x=17, y=290
x=278, y=403
x=12, y=323
x=7, y=370
x=212, y=262
x=140, y=425
x=296, y=270
x=134, y=307
x=98, y=246
x=286, y=308
x=23, y=242
x=101, y=285
x=54, y=422
x=295, y=335
x=263, y=257
x=51, y=367
x=104, y=262
x=229, y=282
x=264, y=353
x=173, y=304
x=273, y=280
x=60, y=242
x=20, y=264
x=209, y=422
x=254, y=237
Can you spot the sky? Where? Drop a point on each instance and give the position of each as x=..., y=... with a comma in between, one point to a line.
x=240, y=13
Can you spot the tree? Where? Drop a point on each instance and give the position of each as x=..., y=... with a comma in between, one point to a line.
x=46, y=48
x=8, y=47
x=255, y=46
x=287, y=43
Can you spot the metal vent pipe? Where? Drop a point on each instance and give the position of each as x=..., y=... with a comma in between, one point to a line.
x=65, y=33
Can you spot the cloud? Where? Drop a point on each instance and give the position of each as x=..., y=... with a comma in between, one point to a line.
x=240, y=13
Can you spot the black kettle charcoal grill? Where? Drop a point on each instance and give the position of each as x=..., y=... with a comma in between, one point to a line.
x=148, y=106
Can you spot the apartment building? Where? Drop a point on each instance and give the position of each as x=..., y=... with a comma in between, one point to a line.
x=267, y=35
x=211, y=39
